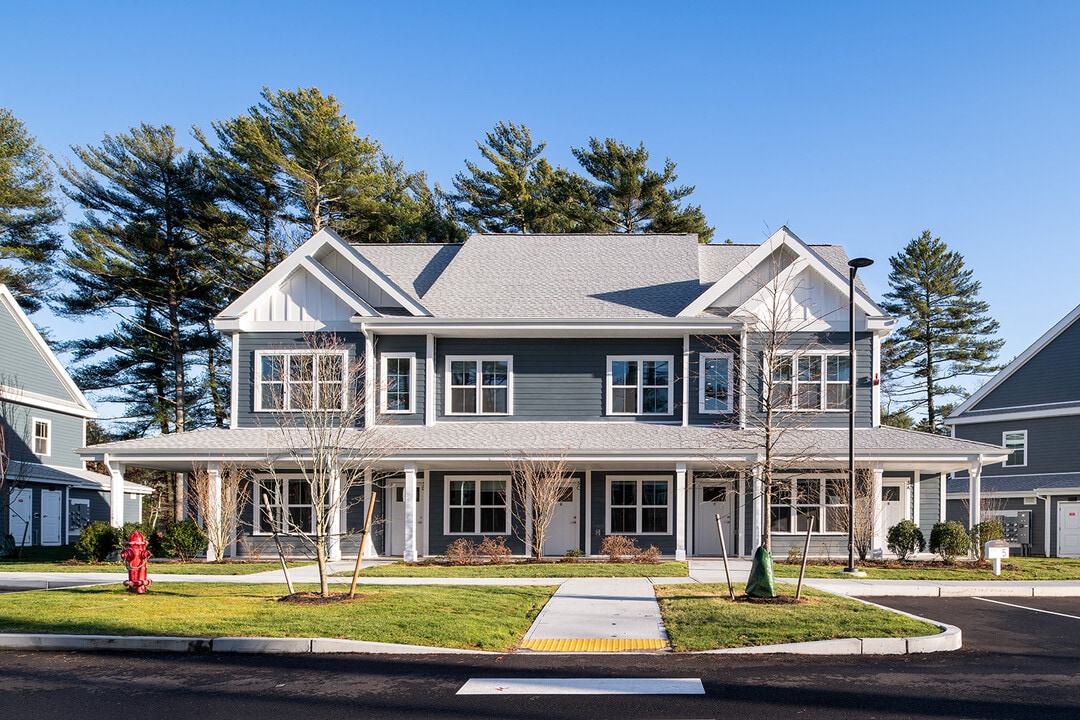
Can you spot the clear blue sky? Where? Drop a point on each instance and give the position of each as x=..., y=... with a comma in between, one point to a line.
x=857, y=123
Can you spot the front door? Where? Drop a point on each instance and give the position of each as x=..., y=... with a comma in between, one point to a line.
x=1068, y=529
x=19, y=514
x=713, y=497
x=396, y=531
x=51, y=504
x=562, y=534
x=892, y=505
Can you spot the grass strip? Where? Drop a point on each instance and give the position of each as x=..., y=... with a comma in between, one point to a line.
x=154, y=568
x=488, y=618
x=1017, y=568
x=703, y=617
x=525, y=570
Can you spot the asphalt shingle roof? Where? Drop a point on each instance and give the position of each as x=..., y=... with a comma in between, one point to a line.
x=1018, y=483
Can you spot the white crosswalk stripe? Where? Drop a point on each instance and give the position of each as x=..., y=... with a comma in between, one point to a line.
x=582, y=686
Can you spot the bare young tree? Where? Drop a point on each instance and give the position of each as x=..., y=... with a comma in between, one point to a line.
x=538, y=484
x=326, y=449
x=219, y=503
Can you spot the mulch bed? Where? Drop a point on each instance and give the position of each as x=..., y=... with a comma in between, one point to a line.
x=314, y=598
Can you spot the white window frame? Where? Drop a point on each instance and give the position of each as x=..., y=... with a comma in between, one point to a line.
x=702, y=361
x=448, y=362
x=385, y=385
x=823, y=384
x=1024, y=447
x=47, y=438
x=257, y=503
x=477, y=506
x=639, y=359
x=314, y=354
x=793, y=503
x=639, y=479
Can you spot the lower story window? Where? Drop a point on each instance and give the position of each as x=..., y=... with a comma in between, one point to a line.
x=639, y=506
x=478, y=506
x=284, y=506
x=795, y=501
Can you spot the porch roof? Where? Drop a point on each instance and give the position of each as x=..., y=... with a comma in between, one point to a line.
x=72, y=477
x=611, y=443
x=1019, y=484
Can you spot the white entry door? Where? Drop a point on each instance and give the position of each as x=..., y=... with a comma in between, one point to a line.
x=396, y=531
x=712, y=498
x=892, y=505
x=562, y=534
x=19, y=514
x=51, y=504
x=1068, y=529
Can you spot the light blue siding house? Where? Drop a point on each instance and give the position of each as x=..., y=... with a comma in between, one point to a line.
x=1032, y=408
x=635, y=357
x=46, y=495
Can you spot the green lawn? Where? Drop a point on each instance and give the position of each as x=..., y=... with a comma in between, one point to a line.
x=525, y=570
x=488, y=618
x=702, y=617
x=158, y=568
x=1017, y=568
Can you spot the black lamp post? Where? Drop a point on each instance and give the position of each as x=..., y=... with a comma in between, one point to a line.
x=853, y=267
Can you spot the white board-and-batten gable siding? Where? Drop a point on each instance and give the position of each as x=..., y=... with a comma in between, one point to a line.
x=300, y=302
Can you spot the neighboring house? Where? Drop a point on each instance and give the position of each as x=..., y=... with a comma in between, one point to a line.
x=1032, y=408
x=47, y=495
x=631, y=355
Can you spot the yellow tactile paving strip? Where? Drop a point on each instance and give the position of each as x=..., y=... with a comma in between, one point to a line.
x=593, y=645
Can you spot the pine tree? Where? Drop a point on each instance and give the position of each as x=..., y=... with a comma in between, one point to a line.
x=522, y=192
x=947, y=333
x=28, y=214
x=630, y=197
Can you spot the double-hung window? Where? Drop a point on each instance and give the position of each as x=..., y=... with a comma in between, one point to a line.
x=398, y=382
x=479, y=385
x=639, y=385
x=714, y=383
x=300, y=380
x=284, y=505
x=795, y=501
x=42, y=437
x=811, y=381
x=477, y=506
x=1016, y=443
x=639, y=506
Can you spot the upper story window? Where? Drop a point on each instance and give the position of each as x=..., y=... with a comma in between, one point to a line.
x=42, y=437
x=714, y=384
x=300, y=380
x=479, y=385
x=1016, y=443
x=398, y=382
x=639, y=385
x=811, y=382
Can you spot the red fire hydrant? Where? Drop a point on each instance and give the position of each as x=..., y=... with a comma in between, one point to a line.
x=135, y=556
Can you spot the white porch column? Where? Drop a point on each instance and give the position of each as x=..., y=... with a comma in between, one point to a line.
x=740, y=512
x=369, y=545
x=336, y=501
x=680, y=511
x=588, y=512
x=116, y=492
x=213, y=509
x=410, y=513
x=758, y=511
x=879, y=533
x=975, y=497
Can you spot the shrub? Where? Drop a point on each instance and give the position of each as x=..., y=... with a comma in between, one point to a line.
x=96, y=541
x=618, y=548
x=794, y=555
x=460, y=552
x=573, y=556
x=984, y=532
x=949, y=540
x=494, y=551
x=153, y=537
x=184, y=539
x=647, y=557
x=905, y=538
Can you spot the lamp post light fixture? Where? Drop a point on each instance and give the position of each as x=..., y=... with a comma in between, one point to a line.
x=853, y=267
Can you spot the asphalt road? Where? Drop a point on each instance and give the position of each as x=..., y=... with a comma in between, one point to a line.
x=1016, y=663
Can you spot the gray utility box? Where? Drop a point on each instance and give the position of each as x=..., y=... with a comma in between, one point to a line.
x=1017, y=524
